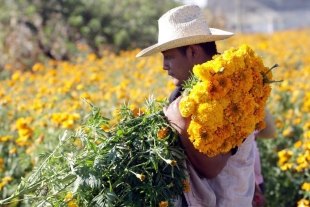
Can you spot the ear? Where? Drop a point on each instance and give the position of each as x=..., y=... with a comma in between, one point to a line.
x=193, y=52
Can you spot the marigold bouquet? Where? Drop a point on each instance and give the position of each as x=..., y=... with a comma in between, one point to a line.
x=137, y=162
x=225, y=98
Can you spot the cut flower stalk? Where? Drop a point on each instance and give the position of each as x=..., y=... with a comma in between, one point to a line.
x=117, y=167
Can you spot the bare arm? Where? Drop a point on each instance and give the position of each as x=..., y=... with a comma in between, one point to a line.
x=209, y=167
x=270, y=130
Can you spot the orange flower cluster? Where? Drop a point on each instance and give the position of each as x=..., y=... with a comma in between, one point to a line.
x=163, y=133
x=228, y=100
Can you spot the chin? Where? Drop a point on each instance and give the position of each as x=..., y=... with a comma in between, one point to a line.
x=176, y=82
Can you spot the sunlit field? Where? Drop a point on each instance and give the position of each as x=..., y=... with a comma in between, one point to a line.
x=37, y=106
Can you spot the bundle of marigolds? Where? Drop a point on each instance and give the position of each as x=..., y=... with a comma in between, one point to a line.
x=138, y=162
x=225, y=98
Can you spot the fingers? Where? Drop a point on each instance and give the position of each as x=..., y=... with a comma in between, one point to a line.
x=173, y=105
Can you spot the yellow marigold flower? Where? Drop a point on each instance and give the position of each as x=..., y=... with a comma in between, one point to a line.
x=7, y=179
x=301, y=159
x=5, y=138
x=286, y=166
x=224, y=83
x=285, y=153
x=279, y=123
x=104, y=128
x=257, y=89
x=163, y=204
x=25, y=132
x=187, y=106
x=67, y=124
x=305, y=186
x=203, y=134
x=225, y=147
x=72, y=203
x=203, y=71
x=16, y=75
x=80, y=87
x=306, y=126
x=307, y=134
x=211, y=113
x=13, y=150
x=223, y=132
x=2, y=184
x=303, y=203
x=297, y=144
x=233, y=112
x=37, y=67
x=306, y=146
x=187, y=187
x=69, y=196
x=199, y=92
x=288, y=132
x=242, y=79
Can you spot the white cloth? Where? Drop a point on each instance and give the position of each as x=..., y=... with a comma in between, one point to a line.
x=233, y=187
x=257, y=166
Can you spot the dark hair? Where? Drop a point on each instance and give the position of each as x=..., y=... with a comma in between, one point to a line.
x=208, y=47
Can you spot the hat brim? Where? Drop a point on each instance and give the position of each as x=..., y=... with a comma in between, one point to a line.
x=216, y=34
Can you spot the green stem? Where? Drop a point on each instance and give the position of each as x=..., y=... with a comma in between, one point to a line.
x=43, y=163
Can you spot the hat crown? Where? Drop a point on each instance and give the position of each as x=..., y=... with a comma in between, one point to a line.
x=183, y=21
x=184, y=25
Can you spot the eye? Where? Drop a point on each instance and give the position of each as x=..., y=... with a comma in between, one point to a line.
x=168, y=57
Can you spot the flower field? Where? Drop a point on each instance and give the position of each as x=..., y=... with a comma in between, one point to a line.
x=37, y=106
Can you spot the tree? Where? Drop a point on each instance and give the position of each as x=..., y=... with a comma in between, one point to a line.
x=33, y=29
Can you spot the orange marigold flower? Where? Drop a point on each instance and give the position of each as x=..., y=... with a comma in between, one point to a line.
x=187, y=187
x=163, y=204
x=163, y=132
x=141, y=177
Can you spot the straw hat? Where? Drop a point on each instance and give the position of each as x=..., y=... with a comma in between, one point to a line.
x=181, y=26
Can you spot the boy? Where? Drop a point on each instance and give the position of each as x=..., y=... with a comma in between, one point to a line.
x=185, y=40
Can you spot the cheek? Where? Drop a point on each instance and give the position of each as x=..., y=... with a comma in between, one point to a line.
x=185, y=72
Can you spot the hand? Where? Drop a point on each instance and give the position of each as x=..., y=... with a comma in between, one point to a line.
x=259, y=199
x=175, y=118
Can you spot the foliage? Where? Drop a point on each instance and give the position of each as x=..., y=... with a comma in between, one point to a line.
x=131, y=164
x=32, y=30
